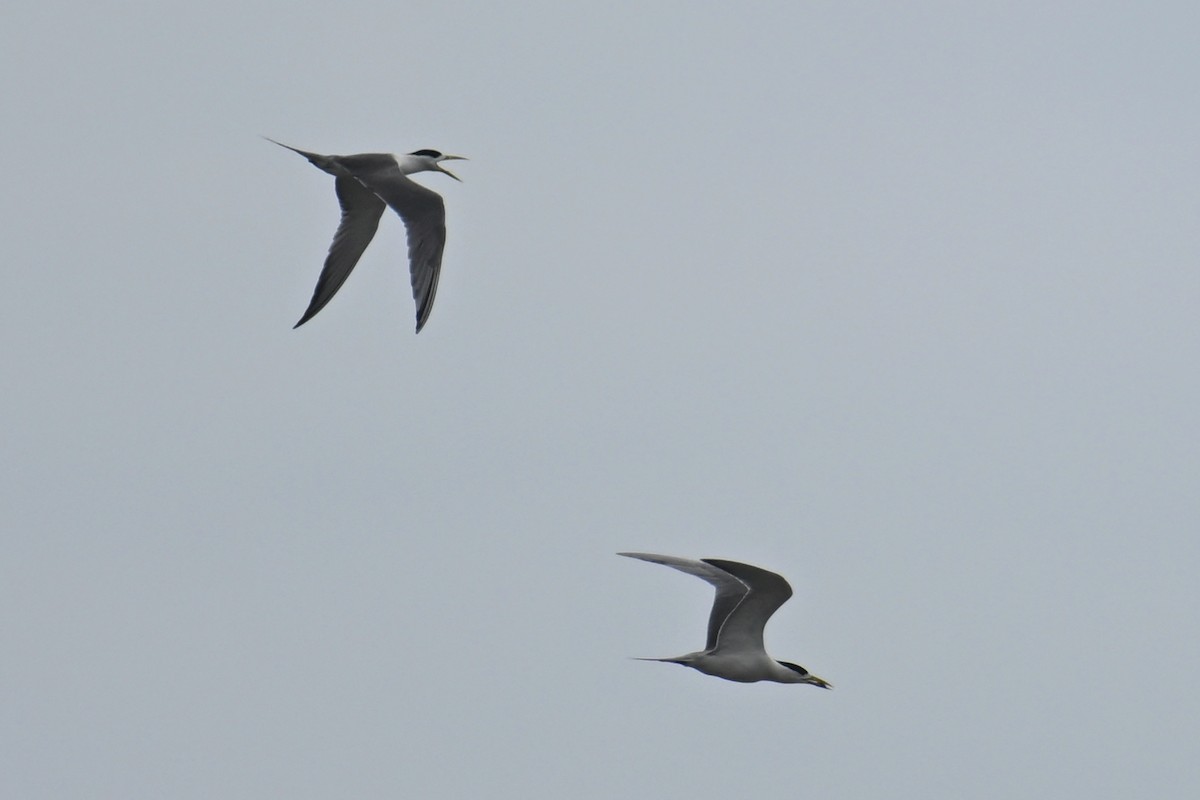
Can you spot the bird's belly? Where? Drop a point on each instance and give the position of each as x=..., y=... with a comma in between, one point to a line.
x=740, y=667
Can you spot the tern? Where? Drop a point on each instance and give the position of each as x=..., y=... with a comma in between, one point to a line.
x=366, y=184
x=746, y=598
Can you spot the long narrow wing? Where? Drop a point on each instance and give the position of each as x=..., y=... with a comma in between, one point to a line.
x=743, y=628
x=361, y=211
x=424, y=215
x=730, y=589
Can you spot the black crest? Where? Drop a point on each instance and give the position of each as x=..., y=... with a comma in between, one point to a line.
x=429, y=153
x=795, y=667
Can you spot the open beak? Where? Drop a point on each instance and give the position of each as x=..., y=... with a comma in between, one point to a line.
x=815, y=681
x=448, y=172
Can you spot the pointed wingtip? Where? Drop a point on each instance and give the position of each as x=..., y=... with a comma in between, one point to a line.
x=423, y=313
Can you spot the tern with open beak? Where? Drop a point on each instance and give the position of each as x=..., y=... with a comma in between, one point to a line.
x=366, y=184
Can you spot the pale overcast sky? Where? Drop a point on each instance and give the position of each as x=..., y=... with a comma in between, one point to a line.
x=896, y=299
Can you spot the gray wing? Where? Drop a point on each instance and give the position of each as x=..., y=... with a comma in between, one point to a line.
x=730, y=589
x=361, y=211
x=424, y=215
x=743, y=627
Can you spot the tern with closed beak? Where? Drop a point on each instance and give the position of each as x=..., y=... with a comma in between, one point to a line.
x=366, y=184
x=746, y=598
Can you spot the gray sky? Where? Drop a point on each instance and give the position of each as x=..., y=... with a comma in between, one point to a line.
x=899, y=300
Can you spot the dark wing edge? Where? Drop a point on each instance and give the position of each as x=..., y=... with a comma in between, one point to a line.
x=424, y=215
x=766, y=591
x=426, y=242
x=361, y=211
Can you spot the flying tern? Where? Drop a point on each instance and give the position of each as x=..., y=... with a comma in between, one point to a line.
x=746, y=598
x=366, y=184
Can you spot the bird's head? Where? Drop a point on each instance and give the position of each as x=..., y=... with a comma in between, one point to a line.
x=431, y=161
x=801, y=675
